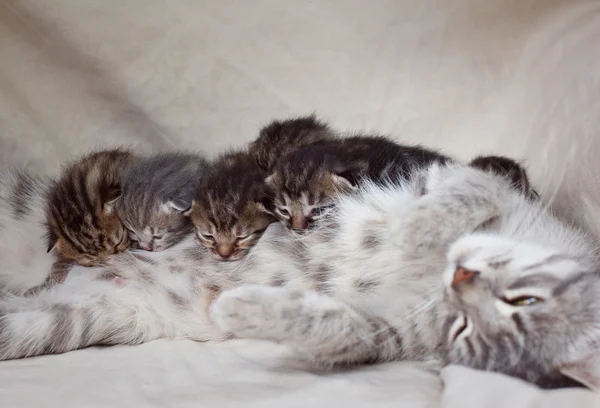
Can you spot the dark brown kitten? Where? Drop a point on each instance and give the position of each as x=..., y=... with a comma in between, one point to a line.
x=280, y=138
x=82, y=224
x=232, y=207
x=306, y=180
x=508, y=168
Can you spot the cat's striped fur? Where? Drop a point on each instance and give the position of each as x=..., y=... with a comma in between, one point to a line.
x=377, y=281
x=157, y=191
x=232, y=207
x=306, y=181
x=282, y=137
x=82, y=223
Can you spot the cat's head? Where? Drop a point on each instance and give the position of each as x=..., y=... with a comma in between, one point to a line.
x=305, y=184
x=232, y=207
x=155, y=226
x=82, y=224
x=157, y=191
x=523, y=310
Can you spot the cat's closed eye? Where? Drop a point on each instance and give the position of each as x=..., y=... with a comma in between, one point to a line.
x=284, y=212
x=206, y=236
x=321, y=211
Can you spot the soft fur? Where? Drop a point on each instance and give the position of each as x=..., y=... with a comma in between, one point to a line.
x=157, y=191
x=375, y=282
x=82, y=222
x=232, y=207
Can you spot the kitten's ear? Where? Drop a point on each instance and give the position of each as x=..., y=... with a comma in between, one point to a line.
x=51, y=240
x=188, y=212
x=271, y=181
x=585, y=370
x=114, y=193
x=345, y=180
x=177, y=205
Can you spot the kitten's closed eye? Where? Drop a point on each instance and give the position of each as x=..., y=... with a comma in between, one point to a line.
x=283, y=211
x=205, y=236
x=321, y=211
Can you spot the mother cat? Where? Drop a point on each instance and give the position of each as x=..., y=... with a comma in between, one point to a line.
x=455, y=266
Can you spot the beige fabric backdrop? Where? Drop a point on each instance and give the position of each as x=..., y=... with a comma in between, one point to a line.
x=518, y=77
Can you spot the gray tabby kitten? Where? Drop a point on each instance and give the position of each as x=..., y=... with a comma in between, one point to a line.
x=156, y=192
x=453, y=266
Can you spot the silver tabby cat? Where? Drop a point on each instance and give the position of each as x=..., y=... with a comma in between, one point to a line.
x=454, y=266
x=156, y=192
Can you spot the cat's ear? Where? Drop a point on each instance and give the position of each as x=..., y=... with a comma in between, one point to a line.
x=113, y=194
x=188, y=212
x=270, y=181
x=345, y=180
x=178, y=204
x=51, y=241
x=585, y=369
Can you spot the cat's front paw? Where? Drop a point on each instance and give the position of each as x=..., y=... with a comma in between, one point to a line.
x=249, y=311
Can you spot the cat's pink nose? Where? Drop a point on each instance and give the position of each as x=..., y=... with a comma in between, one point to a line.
x=463, y=275
x=299, y=223
x=146, y=247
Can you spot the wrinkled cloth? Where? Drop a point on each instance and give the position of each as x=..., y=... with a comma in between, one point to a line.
x=467, y=76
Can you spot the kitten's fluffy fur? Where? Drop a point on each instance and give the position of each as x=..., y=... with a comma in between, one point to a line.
x=306, y=180
x=376, y=281
x=280, y=138
x=82, y=223
x=157, y=191
x=232, y=207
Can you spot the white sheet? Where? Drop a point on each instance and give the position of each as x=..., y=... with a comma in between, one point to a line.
x=470, y=76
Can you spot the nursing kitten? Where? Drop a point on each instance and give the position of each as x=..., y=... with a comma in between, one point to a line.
x=83, y=225
x=232, y=207
x=279, y=138
x=507, y=168
x=306, y=181
x=157, y=191
x=453, y=266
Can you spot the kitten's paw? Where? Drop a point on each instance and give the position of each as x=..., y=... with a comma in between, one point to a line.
x=251, y=311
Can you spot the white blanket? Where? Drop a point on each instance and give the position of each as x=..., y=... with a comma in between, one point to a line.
x=469, y=76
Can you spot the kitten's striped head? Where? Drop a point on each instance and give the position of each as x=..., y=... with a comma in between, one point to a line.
x=232, y=208
x=82, y=223
x=157, y=191
x=523, y=310
x=305, y=184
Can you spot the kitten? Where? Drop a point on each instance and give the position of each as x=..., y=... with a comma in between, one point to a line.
x=157, y=191
x=82, y=222
x=508, y=168
x=306, y=181
x=453, y=266
x=280, y=138
x=232, y=207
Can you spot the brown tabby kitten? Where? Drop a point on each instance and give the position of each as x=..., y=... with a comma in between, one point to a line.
x=279, y=138
x=306, y=180
x=82, y=224
x=232, y=206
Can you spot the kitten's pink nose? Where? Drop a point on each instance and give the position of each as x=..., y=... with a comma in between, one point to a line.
x=463, y=275
x=146, y=247
x=225, y=251
x=299, y=223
